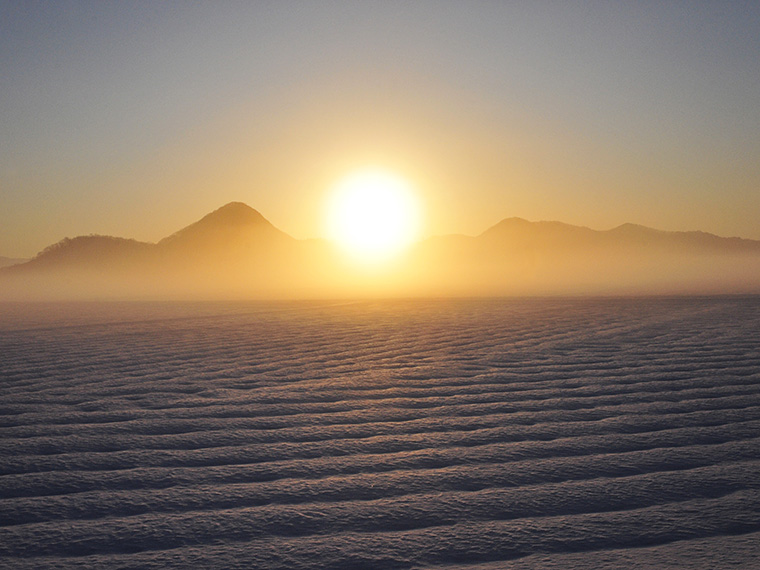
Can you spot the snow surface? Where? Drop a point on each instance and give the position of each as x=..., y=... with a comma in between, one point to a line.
x=479, y=434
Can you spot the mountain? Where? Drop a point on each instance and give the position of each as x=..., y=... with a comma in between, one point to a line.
x=232, y=229
x=233, y=241
x=236, y=252
x=558, y=236
x=697, y=241
x=231, y=225
x=233, y=249
x=87, y=251
x=7, y=261
x=518, y=257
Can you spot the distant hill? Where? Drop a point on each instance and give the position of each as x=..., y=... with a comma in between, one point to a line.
x=516, y=232
x=6, y=261
x=518, y=257
x=236, y=252
x=87, y=251
x=234, y=228
x=233, y=250
x=232, y=225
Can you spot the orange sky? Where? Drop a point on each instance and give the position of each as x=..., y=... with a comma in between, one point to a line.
x=137, y=120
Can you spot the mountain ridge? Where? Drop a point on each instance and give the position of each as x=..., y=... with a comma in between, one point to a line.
x=230, y=217
x=240, y=215
x=236, y=248
x=8, y=261
x=644, y=235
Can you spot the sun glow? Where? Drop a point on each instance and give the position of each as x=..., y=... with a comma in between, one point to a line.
x=373, y=215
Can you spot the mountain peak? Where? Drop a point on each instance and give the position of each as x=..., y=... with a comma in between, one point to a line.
x=507, y=224
x=629, y=228
x=510, y=227
x=234, y=213
x=228, y=222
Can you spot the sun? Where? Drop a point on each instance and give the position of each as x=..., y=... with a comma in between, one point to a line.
x=373, y=215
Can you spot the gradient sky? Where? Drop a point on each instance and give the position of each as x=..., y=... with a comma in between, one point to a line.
x=137, y=118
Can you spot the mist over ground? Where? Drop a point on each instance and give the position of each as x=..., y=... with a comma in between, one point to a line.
x=235, y=253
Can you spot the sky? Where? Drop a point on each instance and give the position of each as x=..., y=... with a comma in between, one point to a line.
x=135, y=119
